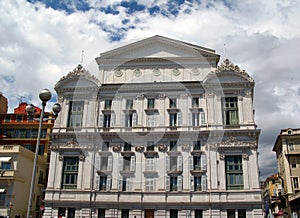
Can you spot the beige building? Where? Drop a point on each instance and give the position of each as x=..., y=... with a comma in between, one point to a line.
x=162, y=130
x=287, y=148
x=16, y=163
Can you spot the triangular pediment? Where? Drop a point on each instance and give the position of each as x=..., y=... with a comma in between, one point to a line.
x=158, y=47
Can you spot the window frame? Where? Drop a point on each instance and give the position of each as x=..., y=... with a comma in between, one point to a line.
x=235, y=174
x=75, y=115
x=69, y=172
x=230, y=111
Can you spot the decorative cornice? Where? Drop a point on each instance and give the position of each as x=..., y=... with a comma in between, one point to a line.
x=72, y=144
x=234, y=142
x=228, y=66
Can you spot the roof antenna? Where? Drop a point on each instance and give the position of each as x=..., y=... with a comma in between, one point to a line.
x=82, y=53
x=224, y=55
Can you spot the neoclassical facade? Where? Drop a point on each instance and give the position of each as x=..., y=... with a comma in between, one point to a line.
x=163, y=130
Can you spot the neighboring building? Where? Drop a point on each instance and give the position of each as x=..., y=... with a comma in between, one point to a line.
x=20, y=129
x=3, y=104
x=287, y=148
x=16, y=165
x=273, y=196
x=162, y=132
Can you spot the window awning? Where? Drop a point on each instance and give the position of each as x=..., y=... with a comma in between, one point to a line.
x=5, y=159
x=2, y=190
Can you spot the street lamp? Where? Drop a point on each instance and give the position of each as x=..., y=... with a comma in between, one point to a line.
x=45, y=95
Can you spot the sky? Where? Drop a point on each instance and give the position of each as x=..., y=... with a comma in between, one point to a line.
x=41, y=41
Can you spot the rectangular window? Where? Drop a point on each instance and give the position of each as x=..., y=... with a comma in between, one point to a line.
x=33, y=133
x=151, y=118
x=195, y=119
x=149, y=184
x=230, y=111
x=61, y=212
x=172, y=103
x=291, y=146
x=198, y=213
x=22, y=133
x=127, y=146
x=5, y=165
x=241, y=213
x=197, y=183
x=231, y=213
x=173, y=145
x=197, y=146
x=126, y=163
x=150, y=164
x=107, y=104
x=195, y=102
x=106, y=120
x=128, y=120
x=294, y=162
x=173, y=119
x=125, y=213
x=7, y=118
x=105, y=146
x=70, y=173
x=173, y=213
x=129, y=104
x=150, y=103
x=75, y=114
x=101, y=213
x=295, y=182
x=71, y=213
x=104, y=163
x=150, y=146
x=173, y=183
x=103, y=183
x=234, y=172
x=41, y=149
x=19, y=118
x=173, y=163
x=197, y=162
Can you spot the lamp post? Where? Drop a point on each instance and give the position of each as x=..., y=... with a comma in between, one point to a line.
x=45, y=95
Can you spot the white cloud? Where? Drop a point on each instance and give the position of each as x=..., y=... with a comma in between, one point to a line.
x=38, y=45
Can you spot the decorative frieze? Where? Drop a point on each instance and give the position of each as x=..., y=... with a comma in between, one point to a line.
x=139, y=148
x=116, y=148
x=185, y=147
x=162, y=147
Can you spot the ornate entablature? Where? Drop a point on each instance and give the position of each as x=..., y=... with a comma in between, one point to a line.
x=234, y=143
x=79, y=73
x=71, y=145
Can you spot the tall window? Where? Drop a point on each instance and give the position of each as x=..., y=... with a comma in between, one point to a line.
x=241, y=213
x=295, y=182
x=70, y=173
x=107, y=104
x=125, y=213
x=231, y=213
x=198, y=213
x=75, y=114
x=150, y=164
x=234, y=173
x=172, y=103
x=106, y=120
x=173, y=213
x=101, y=213
x=173, y=119
x=150, y=103
x=103, y=183
x=197, y=145
x=19, y=118
x=173, y=183
x=291, y=146
x=173, y=145
x=195, y=102
x=149, y=184
x=230, y=111
x=127, y=146
x=129, y=104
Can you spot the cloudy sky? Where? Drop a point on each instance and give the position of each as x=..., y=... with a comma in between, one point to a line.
x=41, y=41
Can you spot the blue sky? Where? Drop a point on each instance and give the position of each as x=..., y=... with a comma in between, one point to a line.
x=42, y=41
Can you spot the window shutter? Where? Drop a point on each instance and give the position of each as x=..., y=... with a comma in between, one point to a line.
x=167, y=183
x=191, y=163
x=190, y=119
x=134, y=119
x=179, y=119
x=120, y=183
x=109, y=164
x=203, y=162
x=97, y=164
x=123, y=120
x=108, y=183
x=179, y=183
x=202, y=118
x=167, y=163
x=204, y=184
x=192, y=183
x=112, y=120
x=179, y=163
x=97, y=182
x=132, y=163
x=101, y=120
x=121, y=163
x=148, y=120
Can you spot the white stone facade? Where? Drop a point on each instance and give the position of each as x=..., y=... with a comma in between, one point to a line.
x=163, y=131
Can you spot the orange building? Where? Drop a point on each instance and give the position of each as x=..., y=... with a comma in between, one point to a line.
x=19, y=131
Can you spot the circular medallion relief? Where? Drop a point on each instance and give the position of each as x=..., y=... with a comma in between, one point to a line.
x=118, y=73
x=137, y=72
x=176, y=72
x=156, y=72
x=195, y=71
